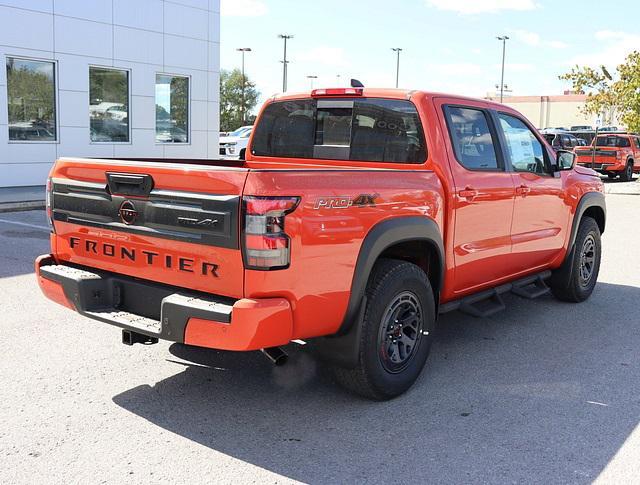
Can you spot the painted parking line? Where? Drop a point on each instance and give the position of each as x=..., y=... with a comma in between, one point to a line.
x=25, y=224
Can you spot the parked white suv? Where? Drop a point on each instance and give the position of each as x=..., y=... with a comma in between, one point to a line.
x=234, y=145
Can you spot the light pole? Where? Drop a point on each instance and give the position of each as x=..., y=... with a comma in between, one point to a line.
x=397, y=50
x=311, y=78
x=504, y=40
x=244, y=81
x=284, y=61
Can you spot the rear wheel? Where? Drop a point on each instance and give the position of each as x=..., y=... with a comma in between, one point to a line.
x=576, y=279
x=243, y=152
x=397, y=331
x=627, y=175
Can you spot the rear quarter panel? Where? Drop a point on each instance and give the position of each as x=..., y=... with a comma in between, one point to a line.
x=325, y=241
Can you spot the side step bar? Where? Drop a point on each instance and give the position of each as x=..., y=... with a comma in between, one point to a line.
x=488, y=302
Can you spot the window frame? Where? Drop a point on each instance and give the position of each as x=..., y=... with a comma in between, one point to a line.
x=501, y=160
x=56, y=100
x=129, y=114
x=189, y=130
x=355, y=99
x=549, y=172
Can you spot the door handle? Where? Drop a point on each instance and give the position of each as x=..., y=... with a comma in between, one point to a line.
x=523, y=190
x=468, y=193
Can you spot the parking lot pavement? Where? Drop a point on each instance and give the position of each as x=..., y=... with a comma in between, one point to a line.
x=543, y=392
x=617, y=187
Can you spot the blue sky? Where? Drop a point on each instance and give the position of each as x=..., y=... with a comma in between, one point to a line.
x=449, y=45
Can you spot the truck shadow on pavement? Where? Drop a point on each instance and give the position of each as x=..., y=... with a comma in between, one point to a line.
x=545, y=391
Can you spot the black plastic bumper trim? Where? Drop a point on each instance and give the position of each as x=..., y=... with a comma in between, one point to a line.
x=152, y=309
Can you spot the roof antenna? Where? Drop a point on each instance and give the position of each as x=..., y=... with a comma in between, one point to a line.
x=356, y=84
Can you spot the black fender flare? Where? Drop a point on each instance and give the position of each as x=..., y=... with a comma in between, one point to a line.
x=343, y=347
x=588, y=200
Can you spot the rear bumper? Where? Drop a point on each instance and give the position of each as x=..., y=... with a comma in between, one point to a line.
x=166, y=312
x=603, y=166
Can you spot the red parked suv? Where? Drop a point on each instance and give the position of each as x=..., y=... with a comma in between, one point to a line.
x=359, y=216
x=612, y=155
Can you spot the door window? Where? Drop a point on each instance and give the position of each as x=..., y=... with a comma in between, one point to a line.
x=471, y=138
x=524, y=149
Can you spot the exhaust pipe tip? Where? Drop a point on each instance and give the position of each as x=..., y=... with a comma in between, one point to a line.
x=276, y=355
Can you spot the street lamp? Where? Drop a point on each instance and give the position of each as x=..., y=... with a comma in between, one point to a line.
x=284, y=61
x=504, y=40
x=311, y=78
x=244, y=81
x=397, y=50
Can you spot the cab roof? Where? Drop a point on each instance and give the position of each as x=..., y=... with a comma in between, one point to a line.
x=388, y=93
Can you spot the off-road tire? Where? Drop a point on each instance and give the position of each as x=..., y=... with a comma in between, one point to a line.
x=568, y=283
x=627, y=174
x=243, y=152
x=390, y=282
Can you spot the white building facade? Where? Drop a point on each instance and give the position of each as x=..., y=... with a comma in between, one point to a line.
x=106, y=78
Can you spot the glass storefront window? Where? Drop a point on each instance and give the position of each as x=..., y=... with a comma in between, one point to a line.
x=172, y=109
x=108, y=104
x=31, y=100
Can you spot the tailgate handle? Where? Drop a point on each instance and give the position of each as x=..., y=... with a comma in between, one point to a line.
x=129, y=184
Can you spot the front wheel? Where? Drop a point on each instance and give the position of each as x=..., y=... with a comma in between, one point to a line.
x=576, y=279
x=397, y=331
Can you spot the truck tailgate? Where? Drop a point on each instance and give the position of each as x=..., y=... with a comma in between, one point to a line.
x=170, y=223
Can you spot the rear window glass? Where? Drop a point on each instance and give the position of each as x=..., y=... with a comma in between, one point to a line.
x=471, y=138
x=379, y=130
x=613, y=141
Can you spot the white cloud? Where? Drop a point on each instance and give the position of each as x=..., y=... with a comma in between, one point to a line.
x=533, y=39
x=455, y=69
x=243, y=8
x=328, y=56
x=557, y=44
x=529, y=38
x=482, y=6
x=615, y=47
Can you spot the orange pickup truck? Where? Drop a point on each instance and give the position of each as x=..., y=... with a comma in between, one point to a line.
x=359, y=216
x=616, y=154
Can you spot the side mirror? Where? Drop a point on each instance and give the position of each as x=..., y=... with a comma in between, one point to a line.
x=565, y=160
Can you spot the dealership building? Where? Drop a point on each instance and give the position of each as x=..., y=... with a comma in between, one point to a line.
x=106, y=78
x=564, y=110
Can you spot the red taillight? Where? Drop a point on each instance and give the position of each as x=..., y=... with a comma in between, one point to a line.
x=266, y=245
x=317, y=93
x=49, y=203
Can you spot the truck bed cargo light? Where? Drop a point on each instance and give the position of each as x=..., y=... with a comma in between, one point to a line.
x=317, y=93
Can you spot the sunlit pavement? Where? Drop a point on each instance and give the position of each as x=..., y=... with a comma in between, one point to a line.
x=543, y=392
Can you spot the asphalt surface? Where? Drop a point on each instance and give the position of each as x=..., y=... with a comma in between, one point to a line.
x=544, y=392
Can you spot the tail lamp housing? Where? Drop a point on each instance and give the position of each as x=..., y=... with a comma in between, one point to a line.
x=266, y=244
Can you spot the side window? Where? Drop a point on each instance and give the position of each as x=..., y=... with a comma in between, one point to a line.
x=472, y=140
x=525, y=151
x=637, y=142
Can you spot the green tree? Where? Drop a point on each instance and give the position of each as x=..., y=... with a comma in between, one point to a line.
x=180, y=101
x=609, y=94
x=31, y=94
x=231, y=106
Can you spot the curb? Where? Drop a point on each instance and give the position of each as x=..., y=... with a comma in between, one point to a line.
x=22, y=206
